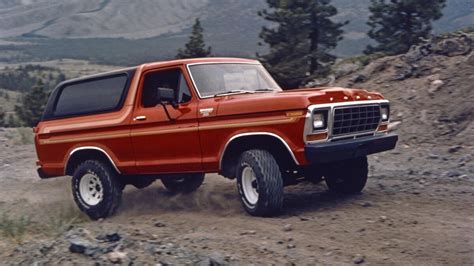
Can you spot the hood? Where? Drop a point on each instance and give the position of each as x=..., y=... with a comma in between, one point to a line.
x=290, y=100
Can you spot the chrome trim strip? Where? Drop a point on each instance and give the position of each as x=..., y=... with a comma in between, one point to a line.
x=212, y=63
x=257, y=134
x=91, y=148
x=308, y=128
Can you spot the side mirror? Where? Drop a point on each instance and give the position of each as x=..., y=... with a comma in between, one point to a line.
x=166, y=95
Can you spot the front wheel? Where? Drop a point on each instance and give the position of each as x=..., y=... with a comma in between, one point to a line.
x=260, y=183
x=183, y=183
x=96, y=189
x=347, y=177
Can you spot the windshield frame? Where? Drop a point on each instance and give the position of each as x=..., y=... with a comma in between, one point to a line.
x=222, y=63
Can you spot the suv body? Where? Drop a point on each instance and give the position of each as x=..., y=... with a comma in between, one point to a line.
x=178, y=120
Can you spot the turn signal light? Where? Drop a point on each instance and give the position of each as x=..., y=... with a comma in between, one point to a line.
x=316, y=137
x=383, y=127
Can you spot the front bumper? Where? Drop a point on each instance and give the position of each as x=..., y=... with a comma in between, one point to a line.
x=348, y=149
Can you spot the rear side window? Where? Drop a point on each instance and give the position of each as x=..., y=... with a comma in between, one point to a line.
x=93, y=96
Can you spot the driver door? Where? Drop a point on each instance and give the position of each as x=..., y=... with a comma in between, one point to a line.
x=165, y=137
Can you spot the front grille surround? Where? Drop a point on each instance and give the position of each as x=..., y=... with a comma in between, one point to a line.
x=358, y=119
x=357, y=126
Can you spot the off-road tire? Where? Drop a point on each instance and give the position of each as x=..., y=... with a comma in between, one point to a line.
x=183, y=183
x=111, y=186
x=269, y=182
x=347, y=177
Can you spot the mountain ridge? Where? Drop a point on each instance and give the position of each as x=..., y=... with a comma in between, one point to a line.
x=226, y=22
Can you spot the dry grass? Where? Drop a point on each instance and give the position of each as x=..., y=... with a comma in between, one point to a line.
x=20, y=136
x=14, y=227
x=62, y=220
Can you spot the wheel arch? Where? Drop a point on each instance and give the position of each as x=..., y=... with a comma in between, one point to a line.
x=269, y=141
x=80, y=154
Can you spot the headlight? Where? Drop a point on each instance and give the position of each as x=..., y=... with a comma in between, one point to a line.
x=320, y=118
x=385, y=112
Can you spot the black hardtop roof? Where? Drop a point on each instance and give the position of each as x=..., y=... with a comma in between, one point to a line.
x=128, y=71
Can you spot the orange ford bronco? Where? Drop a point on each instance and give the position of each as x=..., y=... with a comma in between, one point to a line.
x=177, y=120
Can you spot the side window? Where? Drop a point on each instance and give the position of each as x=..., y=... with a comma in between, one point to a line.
x=91, y=96
x=169, y=79
x=184, y=95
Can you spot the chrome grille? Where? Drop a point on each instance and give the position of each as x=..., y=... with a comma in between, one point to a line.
x=355, y=119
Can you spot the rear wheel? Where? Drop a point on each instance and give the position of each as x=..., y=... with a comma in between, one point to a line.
x=183, y=183
x=347, y=177
x=96, y=189
x=260, y=183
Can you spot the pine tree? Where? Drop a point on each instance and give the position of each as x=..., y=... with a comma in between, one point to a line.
x=301, y=43
x=195, y=46
x=32, y=105
x=396, y=25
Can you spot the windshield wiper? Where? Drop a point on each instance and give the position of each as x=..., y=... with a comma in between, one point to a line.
x=232, y=92
x=264, y=90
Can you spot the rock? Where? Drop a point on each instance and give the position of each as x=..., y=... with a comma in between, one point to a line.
x=453, y=47
x=358, y=259
x=113, y=237
x=435, y=86
x=433, y=156
x=117, y=257
x=329, y=81
x=250, y=232
x=82, y=246
x=290, y=246
x=366, y=204
x=304, y=219
x=454, y=149
x=426, y=173
x=327, y=254
x=359, y=78
x=382, y=218
x=404, y=73
x=160, y=224
x=287, y=227
x=215, y=259
x=453, y=173
x=432, y=78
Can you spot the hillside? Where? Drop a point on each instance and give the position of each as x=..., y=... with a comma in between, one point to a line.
x=232, y=27
x=431, y=93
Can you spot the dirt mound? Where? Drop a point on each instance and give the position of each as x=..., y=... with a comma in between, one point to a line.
x=430, y=88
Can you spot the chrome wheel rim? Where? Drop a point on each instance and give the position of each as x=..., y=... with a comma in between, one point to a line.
x=250, y=185
x=91, y=190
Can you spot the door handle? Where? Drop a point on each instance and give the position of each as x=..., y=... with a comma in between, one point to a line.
x=206, y=111
x=140, y=118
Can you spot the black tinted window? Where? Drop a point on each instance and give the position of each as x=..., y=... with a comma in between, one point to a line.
x=91, y=96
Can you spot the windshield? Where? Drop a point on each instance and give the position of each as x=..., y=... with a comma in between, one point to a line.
x=221, y=78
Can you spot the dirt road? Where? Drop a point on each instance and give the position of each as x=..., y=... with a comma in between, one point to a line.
x=417, y=209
